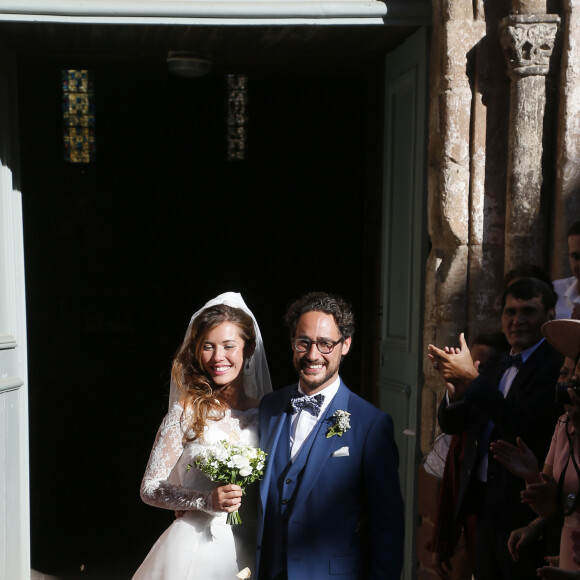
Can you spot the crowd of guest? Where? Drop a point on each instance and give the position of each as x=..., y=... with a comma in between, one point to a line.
x=511, y=411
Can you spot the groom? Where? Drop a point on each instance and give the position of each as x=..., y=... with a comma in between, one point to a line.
x=330, y=501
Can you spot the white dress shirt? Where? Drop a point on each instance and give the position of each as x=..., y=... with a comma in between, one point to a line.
x=568, y=296
x=304, y=421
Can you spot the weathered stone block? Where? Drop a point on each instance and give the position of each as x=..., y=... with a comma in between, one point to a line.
x=530, y=6
x=457, y=10
x=524, y=248
x=460, y=38
x=478, y=157
x=448, y=205
x=485, y=286
x=455, y=110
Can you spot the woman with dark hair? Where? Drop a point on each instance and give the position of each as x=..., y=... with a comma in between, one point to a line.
x=218, y=376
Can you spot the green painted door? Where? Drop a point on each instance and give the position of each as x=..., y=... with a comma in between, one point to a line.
x=404, y=240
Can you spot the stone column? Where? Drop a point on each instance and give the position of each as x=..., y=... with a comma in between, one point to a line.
x=456, y=33
x=467, y=149
x=489, y=151
x=528, y=40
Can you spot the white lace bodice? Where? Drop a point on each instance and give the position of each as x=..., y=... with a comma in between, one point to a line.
x=167, y=483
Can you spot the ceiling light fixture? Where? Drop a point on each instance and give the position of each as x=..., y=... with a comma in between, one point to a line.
x=188, y=64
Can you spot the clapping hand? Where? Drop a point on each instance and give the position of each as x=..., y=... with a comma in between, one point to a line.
x=518, y=460
x=443, y=566
x=541, y=497
x=551, y=573
x=520, y=538
x=455, y=366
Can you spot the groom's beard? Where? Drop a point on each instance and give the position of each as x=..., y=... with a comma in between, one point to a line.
x=328, y=371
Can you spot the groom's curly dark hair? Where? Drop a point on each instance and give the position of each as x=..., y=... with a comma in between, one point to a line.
x=331, y=304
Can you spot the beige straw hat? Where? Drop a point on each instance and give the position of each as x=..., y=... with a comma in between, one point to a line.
x=563, y=335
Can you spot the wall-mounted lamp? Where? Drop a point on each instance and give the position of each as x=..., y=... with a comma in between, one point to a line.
x=188, y=64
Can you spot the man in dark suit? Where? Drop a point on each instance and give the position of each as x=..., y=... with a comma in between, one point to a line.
x=330, y=500
x=513, y=396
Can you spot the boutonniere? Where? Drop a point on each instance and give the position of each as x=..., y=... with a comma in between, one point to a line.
x=340, y=424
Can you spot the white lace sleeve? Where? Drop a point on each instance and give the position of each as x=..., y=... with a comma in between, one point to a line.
x=156, y=490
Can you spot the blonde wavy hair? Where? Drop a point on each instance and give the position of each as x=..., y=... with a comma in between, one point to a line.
x=199, y=396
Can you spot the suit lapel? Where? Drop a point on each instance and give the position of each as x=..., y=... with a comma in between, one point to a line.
x=322, y=448
x=279, y=421
x=495, y=373
x=524, y=374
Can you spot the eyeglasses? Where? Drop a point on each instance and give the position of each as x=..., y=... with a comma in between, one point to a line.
x=323, y=346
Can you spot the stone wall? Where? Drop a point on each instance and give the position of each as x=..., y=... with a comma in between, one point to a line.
x=468, y=128
x=504, y=172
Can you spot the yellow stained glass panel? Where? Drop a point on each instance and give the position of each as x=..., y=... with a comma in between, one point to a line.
x=78, y=116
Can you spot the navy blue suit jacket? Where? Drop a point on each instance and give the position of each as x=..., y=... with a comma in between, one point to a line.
x=347, y=514
x=529, y=411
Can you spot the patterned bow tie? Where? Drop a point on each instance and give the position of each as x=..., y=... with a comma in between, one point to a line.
x=301, y=402
x=511, y=360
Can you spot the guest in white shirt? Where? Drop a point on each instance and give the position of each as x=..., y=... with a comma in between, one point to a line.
x=568, y=289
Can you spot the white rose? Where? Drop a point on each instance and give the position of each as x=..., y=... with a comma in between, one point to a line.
x=202, y=457
x=220, y=453
x=240, y=461
x=245, y=471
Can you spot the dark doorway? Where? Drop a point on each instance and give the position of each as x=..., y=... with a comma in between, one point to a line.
x=121, y=252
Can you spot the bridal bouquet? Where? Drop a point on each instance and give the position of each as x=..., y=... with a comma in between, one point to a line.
x=235, y=463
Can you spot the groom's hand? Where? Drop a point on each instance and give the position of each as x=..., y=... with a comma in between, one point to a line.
x=227, y=498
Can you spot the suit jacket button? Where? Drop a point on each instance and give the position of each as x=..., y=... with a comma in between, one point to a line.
x=284, y=501
x=288, y=480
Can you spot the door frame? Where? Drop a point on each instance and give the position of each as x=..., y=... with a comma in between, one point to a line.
x=111, y=12
x=14, y=458
x=403, y=259
x=220, y=12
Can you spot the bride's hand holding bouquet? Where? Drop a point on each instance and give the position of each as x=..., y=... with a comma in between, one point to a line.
x=236, y=465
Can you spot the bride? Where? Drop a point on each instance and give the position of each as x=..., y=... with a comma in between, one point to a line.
x=218, y=376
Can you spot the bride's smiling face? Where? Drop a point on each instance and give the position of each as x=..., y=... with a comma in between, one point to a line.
x=222, y=354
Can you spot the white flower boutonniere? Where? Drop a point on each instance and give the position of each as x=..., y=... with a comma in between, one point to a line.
x=340, y=424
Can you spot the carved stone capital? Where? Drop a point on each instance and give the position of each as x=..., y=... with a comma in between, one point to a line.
x=528, y=41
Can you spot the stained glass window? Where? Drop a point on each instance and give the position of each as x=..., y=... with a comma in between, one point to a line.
x=78, y=114
x=237, y=117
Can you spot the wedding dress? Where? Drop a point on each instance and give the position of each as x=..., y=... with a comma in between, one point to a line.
x=200, y=545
